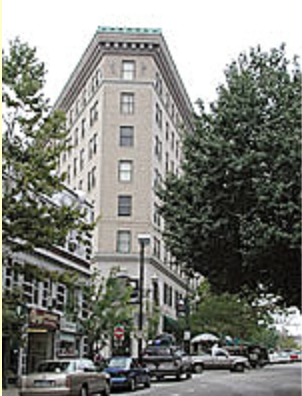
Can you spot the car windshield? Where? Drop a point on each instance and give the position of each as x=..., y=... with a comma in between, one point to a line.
x=55, y=367
x=119, y=363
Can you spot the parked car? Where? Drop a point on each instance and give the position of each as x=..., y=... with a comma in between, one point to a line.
x=295, y=356
x=279, y=357
x=127, y=372
x=219, y=359
x=73, y=377
x=164, y=361
x=257, y=355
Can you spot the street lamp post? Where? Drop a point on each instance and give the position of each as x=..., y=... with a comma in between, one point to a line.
x=144, y=240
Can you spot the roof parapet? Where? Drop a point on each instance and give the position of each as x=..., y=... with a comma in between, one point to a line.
x=127, y=30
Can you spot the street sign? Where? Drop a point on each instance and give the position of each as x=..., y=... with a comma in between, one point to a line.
x=119, y=332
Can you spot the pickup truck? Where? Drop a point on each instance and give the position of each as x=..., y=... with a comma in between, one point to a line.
x=219, y=359
x=163, y=361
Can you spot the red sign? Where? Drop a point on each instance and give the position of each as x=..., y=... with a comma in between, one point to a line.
x=119, y=332
x=43, y=319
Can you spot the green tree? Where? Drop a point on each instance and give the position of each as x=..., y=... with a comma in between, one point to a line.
x=32, y=142
x=108, y=306
x=287, y=342
x=229, y=315
x=234, y=214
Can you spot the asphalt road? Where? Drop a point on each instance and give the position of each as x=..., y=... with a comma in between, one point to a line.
x=273, y=380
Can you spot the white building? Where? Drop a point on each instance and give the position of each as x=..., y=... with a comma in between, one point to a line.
x=126, y=108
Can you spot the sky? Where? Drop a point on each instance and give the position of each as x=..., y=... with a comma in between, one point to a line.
x=204, y=36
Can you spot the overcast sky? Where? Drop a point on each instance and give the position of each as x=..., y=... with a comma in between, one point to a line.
x=203, y=35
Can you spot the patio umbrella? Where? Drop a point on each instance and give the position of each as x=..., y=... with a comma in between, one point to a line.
x=204, y=337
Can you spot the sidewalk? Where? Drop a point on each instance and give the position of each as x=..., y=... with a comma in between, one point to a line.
x=10, y=392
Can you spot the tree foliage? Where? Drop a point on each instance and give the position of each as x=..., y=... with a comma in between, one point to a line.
x=32, y=141
x=229, y=315
x=108, y=306
x=234, y=214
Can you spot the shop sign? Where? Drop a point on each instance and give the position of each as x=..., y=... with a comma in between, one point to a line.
x=43, y=319
x=68, y=327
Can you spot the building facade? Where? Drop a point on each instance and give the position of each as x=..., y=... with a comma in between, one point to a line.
x=47, y=302
x=126, y=109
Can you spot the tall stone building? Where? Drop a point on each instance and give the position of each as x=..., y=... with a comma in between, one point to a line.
x=126, y=108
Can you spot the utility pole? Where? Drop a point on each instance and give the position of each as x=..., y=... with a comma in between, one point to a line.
x=144, y=240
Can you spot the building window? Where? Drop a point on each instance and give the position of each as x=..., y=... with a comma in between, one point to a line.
x=156, y=216
x=158, y=116
x=92, y=146
x=94, y=113
x=158, y=84
x=125, y=171
x=123, y=244
x=167, y=101
x=83, y=129
x=155, y=293
x=166, y=293
x=84, y=100
x=167, y=162
x=91, y=179
x=172, y=140
x=69, y=146
x=82, y=154
x=71, y=117
x=76, y=137
x=173, y=111
x=61, y=297
x=68, y=176
x=176, y=299
x=75, y=166
x=158, y=148
x=128, y=70
x=157, y=179
x=170, y=302
x=156, y=247
x=126, y=136
x=127, y=103
x=95, y=143
x=167, y=131
x=177, y=149
x=124, y=205
x=172, y=166
x=45, y=293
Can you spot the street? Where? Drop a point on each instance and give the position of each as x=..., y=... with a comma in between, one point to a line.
x=278, y=380
x=274, y=380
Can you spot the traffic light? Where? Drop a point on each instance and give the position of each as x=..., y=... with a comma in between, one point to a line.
x=181, y=308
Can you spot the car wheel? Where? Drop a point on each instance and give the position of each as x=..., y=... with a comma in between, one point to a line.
x=106, y=390
x=198, y=368
x=239, y=368
x=148, y=383
x=132, y=385
x=84, y=391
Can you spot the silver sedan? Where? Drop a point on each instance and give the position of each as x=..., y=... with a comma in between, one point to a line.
x=73, y=377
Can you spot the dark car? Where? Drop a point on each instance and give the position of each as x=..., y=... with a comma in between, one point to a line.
x=164, y=361
x=127, y=372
